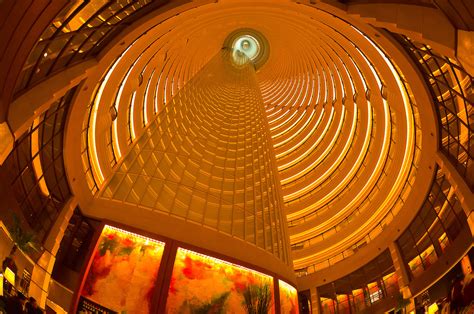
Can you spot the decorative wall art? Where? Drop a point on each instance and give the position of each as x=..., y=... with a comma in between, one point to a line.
x=203, y=284
x=123, y=272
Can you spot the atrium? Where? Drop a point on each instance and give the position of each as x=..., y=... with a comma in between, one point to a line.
x=237, y=156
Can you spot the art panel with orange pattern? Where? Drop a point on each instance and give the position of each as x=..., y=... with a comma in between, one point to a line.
x=203, y=284
x=288, y=298
x=123, y=272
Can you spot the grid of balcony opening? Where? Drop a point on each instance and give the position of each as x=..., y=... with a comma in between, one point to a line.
x=79, y=32
x=35, y=168
x=358, y=291
x=439, y=222
x=451, y=88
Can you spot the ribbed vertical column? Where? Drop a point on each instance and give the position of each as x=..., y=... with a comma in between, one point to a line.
x=208, y=158
x=315, y=301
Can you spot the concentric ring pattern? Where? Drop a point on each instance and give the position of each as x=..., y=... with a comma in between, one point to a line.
x=344, y=124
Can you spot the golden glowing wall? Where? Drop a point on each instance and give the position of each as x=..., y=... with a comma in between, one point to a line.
x=208, y=158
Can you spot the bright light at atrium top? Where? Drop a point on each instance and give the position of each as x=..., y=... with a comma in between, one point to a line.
x=248, y=45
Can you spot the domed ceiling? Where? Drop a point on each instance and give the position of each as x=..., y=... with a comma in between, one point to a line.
x=346, y=127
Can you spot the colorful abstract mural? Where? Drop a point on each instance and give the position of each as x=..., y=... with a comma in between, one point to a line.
x=203, y=284
x=123, y=272
x=288, y=298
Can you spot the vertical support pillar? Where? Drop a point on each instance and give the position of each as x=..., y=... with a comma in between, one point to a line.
x=41, y=276
x=315, y=301
x=349, y=303
x=402, y=274
x=437, y=247
x=352, y=305
x=367, y=301
x=276, y=292
x=463, y=192
x=6, y=141
x=382, y=288
x=400, y=267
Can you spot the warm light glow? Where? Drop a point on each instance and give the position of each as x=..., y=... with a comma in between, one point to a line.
x=354, y=169
x=300, y=143
x=315, y=162
x=344, y=145
x=9, y=276
x=118, y=102
x=146, y=98
x=137, y=237
x=296, y=133
x=91, y=133
x=433, y=308
x=132, y=116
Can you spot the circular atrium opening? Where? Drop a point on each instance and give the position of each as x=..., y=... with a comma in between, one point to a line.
x=248, y=44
